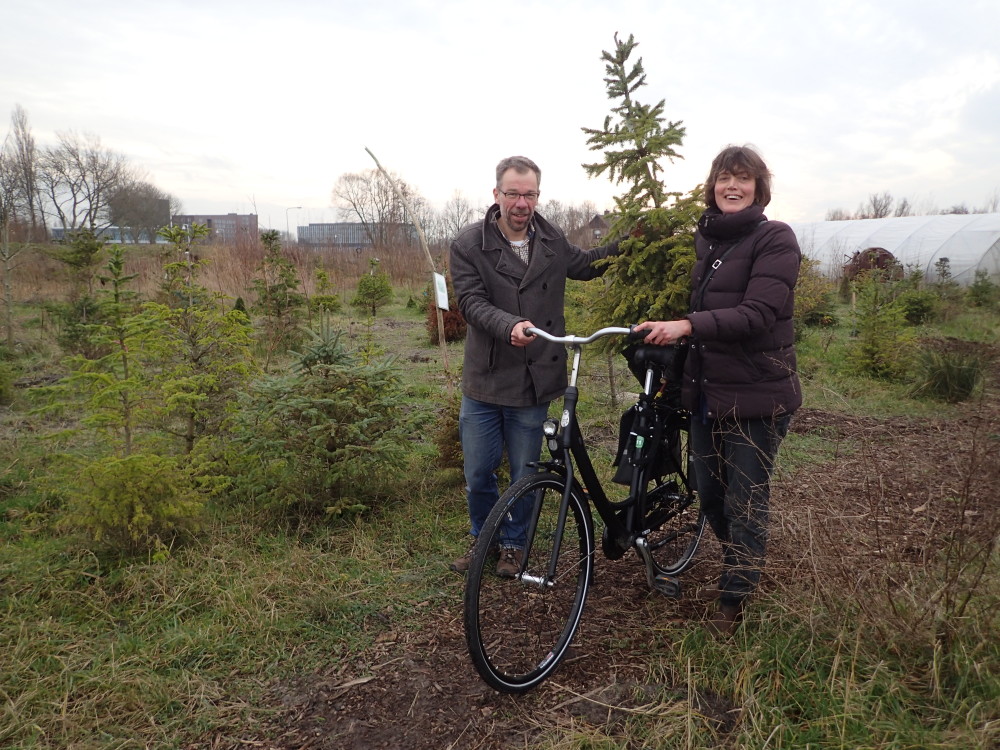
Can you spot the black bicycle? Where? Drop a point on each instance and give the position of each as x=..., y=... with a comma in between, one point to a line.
x=518, y=628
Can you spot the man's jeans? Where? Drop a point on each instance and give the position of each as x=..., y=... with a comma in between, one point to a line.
x=484, y=430
x=733, y=461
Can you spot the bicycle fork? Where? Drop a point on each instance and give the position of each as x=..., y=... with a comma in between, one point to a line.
x=568, y=439
x=548, y=580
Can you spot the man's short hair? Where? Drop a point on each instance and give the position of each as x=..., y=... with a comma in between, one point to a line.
x=519, y=164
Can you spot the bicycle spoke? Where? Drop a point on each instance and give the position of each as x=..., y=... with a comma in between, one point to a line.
x=677, y=532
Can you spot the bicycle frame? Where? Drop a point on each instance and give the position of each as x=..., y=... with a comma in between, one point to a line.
x=518, y=625
x=567, y=446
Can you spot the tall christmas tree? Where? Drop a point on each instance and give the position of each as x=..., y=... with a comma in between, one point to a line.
x=651, y=279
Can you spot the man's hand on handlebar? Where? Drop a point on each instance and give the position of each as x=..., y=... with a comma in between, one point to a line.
x=519, y=335
x=664, y=332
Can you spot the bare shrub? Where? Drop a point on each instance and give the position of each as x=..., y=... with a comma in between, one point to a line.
x=911, y=538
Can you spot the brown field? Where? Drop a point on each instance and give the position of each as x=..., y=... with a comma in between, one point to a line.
x=230, y=268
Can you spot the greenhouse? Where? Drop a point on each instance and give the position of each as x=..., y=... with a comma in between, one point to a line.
x=970, y=242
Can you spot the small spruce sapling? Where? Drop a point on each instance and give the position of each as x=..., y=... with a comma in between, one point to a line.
x=325, y=299
x=374, y=290
x=279, y=298
x=198, y=353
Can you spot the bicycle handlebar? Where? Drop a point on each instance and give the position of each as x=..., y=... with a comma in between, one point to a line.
x=581, y=340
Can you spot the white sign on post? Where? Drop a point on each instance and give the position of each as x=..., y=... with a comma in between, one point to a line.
x=441, y=289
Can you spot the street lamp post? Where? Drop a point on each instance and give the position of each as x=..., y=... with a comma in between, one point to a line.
x=288, y=232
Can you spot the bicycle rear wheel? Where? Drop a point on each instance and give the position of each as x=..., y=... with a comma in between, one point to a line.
x=676, y=526
x=518, y=629
x=673, y=514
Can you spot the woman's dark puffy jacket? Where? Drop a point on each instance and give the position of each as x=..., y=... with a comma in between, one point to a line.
x=741, y=361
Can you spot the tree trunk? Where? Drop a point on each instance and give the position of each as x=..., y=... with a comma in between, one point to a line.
x=8, y=294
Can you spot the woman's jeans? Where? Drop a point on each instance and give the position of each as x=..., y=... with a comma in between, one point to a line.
x=733, y=462
x=485, y=429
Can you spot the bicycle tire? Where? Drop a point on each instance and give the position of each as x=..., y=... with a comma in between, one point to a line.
x=674, y=519
x=676, y=529
x=518, y=629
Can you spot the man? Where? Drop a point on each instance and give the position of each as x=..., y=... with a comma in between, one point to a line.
x=509, y=273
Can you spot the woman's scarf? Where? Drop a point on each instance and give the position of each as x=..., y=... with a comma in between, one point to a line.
x=719, y=226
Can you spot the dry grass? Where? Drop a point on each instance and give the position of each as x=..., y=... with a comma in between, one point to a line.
x=230, y=269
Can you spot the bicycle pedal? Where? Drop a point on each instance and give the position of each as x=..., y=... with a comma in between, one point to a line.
x=668, y=586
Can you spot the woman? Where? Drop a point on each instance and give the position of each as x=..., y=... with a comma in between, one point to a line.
x=740, y=383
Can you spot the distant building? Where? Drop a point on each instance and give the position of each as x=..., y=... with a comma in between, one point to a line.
x=225, y=227
x=348, y=234
x=598, y=227
x=112, y=235
x=593, y=233
x=352, y=234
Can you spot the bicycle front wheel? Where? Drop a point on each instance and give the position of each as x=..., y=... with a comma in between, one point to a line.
x=519, y=622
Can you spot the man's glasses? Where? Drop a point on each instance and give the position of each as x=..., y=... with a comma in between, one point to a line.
x=513, y=195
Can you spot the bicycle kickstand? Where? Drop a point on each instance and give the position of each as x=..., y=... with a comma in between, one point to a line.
x=669, y=586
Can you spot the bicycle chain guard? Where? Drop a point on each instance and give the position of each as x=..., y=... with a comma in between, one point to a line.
x=614, y=549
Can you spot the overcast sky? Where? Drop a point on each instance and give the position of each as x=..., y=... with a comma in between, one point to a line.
x=260, y=106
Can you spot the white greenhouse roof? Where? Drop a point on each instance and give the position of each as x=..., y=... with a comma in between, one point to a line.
x=970, y=242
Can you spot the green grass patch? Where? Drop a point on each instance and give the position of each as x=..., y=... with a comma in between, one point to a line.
x=144, y=653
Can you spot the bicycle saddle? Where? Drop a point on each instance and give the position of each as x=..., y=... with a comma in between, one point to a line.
x=666, y=360
x=650, y=353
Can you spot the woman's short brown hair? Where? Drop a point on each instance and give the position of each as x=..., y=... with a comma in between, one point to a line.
x=737, y=160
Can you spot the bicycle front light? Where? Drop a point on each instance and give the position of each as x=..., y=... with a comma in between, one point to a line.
x=550, y=428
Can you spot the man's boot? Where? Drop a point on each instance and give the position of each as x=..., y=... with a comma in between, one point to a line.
x=725, y=619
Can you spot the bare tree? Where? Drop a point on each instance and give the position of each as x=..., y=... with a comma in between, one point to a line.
x=879, y=206
x=577, y=217
x=926, y=207
x=353, y=199
x=571, y=219
x=141, y=208
x=8, y=250
x=8, y=183
x=78, y=177
x=426, y=215
x=554, y=211
x=23, y=166
x=457, y=212
x=992, y=204
x=369, y=198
